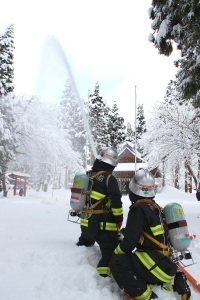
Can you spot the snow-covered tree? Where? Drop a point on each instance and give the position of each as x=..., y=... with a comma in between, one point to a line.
x=6, y=61
x=130, y=134
x=97, y=119
x=42, y=146
x=116, y=128
x=71, y=120
x=173, y=139
x=178, y=21
x=140, y=125
x=8, y=141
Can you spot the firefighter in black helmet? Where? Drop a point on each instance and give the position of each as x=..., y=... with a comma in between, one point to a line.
x=104, y=223
x=138, y=261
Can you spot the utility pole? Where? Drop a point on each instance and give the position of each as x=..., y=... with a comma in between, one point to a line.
x=135, y=128
x=86, y=146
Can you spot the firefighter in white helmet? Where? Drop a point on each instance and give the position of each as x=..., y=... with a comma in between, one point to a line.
x=139, y=261
x=104, y=223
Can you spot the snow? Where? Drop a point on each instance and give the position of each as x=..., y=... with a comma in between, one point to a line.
x=39, y=259
x=129, y=166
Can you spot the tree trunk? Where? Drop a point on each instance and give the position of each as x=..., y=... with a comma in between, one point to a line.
x=176, y=180
x=163, y=173
x=5, y=192
x=186, y=177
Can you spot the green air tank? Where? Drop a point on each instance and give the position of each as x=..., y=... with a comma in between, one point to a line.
x=177, y=226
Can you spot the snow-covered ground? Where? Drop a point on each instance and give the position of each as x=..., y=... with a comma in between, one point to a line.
x=39, y=259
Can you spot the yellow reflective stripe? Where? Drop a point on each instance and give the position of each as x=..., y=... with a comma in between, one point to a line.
x=145, y=296
x=103, y=226
x=156, y=230
x=84, y=222
x=118, y=250
x=150, y=264
x=108, y=204
x=117, y=211
x=108, y=226
x=168, y=286
x=104, y=271
x=96, y=196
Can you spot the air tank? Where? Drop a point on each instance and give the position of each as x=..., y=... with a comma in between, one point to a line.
x=177, y=226
x=78, y=192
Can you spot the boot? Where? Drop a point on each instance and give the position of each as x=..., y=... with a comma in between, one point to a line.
x=153, y=296
x=84, y=242
x=181, y=286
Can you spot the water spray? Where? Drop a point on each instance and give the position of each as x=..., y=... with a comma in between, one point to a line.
x=79, y=101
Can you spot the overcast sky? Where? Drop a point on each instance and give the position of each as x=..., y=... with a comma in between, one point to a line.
x=102, y=40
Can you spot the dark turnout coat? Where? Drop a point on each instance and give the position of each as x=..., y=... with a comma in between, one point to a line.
x=102, y=225
x=138, y=261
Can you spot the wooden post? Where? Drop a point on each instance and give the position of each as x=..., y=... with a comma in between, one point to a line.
x=15, y=186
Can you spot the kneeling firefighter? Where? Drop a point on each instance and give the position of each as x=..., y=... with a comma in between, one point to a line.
x=106, y=207
x=138, y=261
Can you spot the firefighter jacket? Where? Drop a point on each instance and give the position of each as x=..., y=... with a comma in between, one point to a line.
x=142, y=217
x=106, y=197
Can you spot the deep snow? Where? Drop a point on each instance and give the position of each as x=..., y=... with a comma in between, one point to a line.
x=39, y=259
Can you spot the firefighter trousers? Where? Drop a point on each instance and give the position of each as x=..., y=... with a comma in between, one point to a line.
x=134, y=277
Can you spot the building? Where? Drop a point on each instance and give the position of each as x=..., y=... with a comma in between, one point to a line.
x=127, y=164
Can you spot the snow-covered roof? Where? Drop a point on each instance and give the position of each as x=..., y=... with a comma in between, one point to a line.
x=130, y=147
x=19, y=174
x=129, y=166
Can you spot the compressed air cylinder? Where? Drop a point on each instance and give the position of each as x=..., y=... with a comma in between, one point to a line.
x=78, y=191
x=177, y=226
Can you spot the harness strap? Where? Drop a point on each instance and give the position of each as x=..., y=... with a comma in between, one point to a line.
x=98, y=173
x=96, y=212
x=151, y=202
x=161, y=245
x=90, y=209
x=164, y=248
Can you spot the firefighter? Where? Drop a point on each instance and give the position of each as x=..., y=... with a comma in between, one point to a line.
x=103, y=225
x=138, y=262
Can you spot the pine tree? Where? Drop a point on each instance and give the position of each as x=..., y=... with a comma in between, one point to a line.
x=8, y=141
x=178, y=21
x=97, y=120
x=6, y=61
x=116, y=127
x=140, y=125
x=71, y=119
x=130, y=135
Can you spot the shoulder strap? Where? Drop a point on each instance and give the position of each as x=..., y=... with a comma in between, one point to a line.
x=164, y=248
x=108, y=179
x=96, y=174
x=101, y=172
x=151, y=202
x=91, y=208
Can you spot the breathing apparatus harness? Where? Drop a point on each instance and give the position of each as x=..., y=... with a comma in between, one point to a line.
x=180, y=281
x=167, y=248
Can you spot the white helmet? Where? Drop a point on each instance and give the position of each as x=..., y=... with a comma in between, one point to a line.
x=143, y=184
x=108, y=155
